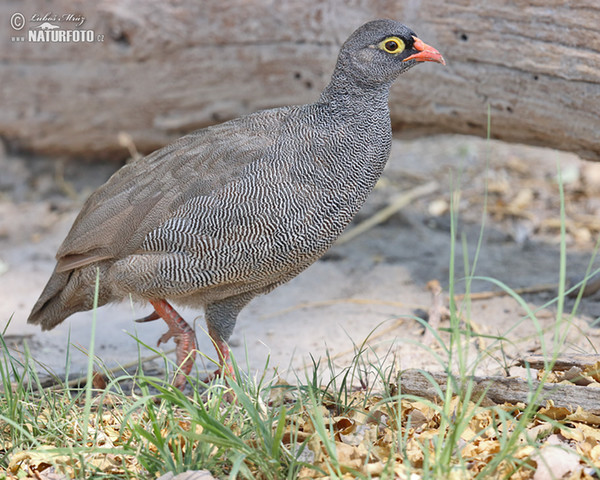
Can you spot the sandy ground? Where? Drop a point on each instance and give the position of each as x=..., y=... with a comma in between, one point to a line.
x=372, y=286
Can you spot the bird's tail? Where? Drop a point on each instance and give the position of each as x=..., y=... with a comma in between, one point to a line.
x=65, y=294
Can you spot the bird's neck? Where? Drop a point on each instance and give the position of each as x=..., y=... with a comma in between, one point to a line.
x=347, y=94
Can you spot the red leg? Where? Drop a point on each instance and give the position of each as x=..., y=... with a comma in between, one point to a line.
x=221, y=316
x=223, y=352
x=183, y=335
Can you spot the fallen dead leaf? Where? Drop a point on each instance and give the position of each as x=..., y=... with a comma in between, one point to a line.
x=555, y=460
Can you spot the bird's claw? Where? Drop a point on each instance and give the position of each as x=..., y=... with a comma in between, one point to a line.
x=148, y=318
x=165, y=337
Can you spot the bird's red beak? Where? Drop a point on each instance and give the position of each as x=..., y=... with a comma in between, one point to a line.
x=426, y=53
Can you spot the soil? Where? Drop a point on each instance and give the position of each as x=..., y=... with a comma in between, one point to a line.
x=365, y=293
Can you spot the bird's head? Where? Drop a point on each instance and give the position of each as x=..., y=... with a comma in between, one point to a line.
x=380, y=50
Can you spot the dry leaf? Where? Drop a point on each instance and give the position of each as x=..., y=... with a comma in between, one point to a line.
x=580, y=432
x=555, y=460
x=593, y=371
x=555, y=413
x=582, y=416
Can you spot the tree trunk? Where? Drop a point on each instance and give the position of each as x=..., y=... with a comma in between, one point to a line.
x=157, y=69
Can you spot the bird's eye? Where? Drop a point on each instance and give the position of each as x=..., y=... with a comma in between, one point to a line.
x=392, y=45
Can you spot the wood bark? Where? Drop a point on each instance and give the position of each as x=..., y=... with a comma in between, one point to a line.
x=500, y=390
x=164, y=68
x=562, y=363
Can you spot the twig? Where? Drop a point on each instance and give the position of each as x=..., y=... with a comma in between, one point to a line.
x=502, y=293
x=66, y=187
x=396, y=203
x=436, y=311
x=126, y=140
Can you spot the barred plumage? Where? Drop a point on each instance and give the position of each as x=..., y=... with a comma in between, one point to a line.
x=234, y=210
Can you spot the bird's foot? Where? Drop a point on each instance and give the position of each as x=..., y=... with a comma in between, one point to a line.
x=184, y=337
x=225, y=368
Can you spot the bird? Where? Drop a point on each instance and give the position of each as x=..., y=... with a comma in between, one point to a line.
x=233, y=210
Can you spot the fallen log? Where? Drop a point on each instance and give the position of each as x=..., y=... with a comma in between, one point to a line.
x=156, y=70
x=501, y=390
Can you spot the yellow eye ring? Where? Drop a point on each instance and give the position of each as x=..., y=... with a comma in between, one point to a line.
x=392, y=45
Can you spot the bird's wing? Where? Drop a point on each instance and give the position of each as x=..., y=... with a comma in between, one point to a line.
x=117, y=217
